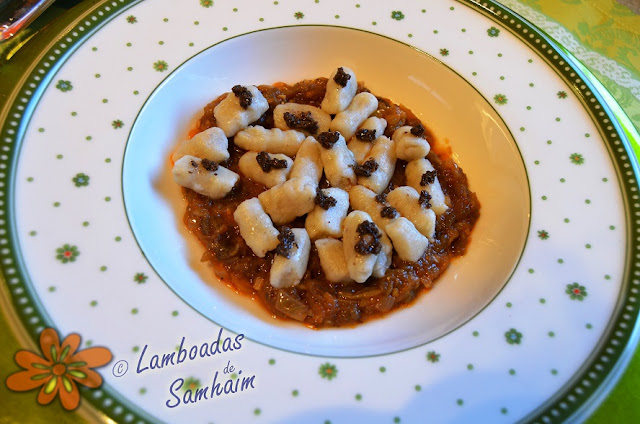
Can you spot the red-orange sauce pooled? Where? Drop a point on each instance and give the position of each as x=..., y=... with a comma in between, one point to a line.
x=315, y=301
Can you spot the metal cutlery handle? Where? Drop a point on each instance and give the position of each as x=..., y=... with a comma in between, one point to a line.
x=17, y=14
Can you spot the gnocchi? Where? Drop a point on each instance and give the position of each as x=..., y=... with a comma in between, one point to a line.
x=383, y=159
x=421, y=175
x=241, y=107
x=325, y=220
x=360, y=239
x=289, y=200
x=307, y=119
x=348, y=121
x=409, y=145
x=204, y=176
x=341, y=89
x=210, y=144
x=414, y=207
x=289, y=267
x=364, y=138
x=274, y=140
x=407, y=241
x=332, y=260
x=337, y=160
x=308, y=162
x=268, y=170
x=256, y=227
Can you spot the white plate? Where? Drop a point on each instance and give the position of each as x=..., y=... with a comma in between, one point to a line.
x=483, y=147
x=529, y=325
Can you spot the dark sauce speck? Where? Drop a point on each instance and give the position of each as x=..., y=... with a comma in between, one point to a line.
x=369, y=240
x=209, y=165
x=301, y=121
x=328, y=138
x=381, y=198
x=418, y=130
x=324, y=201
x=424, y=199
x=388, y=212
x=267, y=163
x=367, y=168
x=366, y=135
x=244, y=95
x=287, y=239
x=341, y=77
x=428, y=177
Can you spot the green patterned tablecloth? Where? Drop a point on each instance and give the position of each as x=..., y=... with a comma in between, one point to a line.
x=603, y=34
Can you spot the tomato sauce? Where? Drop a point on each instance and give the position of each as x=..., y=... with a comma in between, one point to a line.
x=317, y=302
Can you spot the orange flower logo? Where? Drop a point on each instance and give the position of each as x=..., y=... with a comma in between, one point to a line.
x=61, y=368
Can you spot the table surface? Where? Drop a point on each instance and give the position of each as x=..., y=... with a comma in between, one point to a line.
x=603, y=34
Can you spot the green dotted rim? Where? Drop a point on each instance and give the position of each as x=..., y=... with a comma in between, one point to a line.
x=582, y=393
x=15, y=116
x=576, y=397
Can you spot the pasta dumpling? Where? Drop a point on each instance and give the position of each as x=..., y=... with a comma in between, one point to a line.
x=407, y=241
x=256, y=227
x=325, y=220
x=332, y=260
x=337, y=160
x=421, y=175
x=341, y=88
x=241, y=107
x=268, y=170
x=363, y=199
x=209, y=144
x=307, y=119
x=204, y=176
x=409, y=143
x=365, y=137
x=289, y=200
x=274, y=140
x=416, y=208
x=376, y=172
x=291, y=258
x=308, y=163
x=361, y=243
x=348, y=121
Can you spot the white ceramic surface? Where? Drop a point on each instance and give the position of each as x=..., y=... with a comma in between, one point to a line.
x=483, y=147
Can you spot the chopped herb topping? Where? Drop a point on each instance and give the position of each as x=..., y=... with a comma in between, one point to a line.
x=369, y=241
x=341, y=77
x=424, y=199
x=287, y=241
x=367, y=168
x=209, y=165
x=428, y=178
x=301, y=121
x=328, y=138
x=388, y=212
x=324, y=201
x=244, y=95
x=381, y=198
x=366, y=135
x=418, y=130
x=267, y=163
